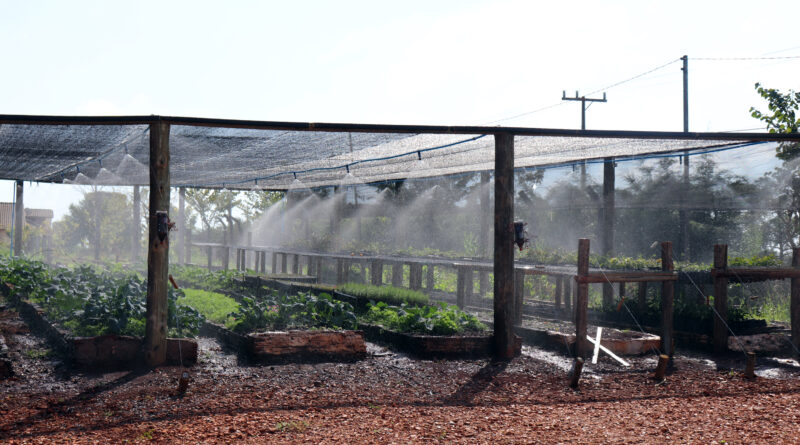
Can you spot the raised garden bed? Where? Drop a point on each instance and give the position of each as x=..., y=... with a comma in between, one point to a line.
x=436, y=346
x=108, y=351
x=292, y=346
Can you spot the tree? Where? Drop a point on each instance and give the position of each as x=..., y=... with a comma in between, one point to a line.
x=784, y=118
x=100, y=221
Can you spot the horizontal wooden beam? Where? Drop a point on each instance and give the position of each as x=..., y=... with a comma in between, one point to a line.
x=20, y=119
x=625, y=277
x=748, y=273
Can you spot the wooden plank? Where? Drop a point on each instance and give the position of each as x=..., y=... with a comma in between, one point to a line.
x=748, y=273
x=582, y=300
x=720, y=298
x=667, y=299
x=155, y=338
x=794, y=309
x=597, y=345
x=504, y=246
x=627, y=277
x=609, y=352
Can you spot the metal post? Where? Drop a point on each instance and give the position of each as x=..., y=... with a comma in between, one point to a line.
x=504, y=338
x=155, y=338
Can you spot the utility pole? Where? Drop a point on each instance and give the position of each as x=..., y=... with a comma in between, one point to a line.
x=683, y=215
x=583, y=100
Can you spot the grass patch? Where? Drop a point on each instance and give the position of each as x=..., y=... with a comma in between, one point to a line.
x=388, y=294
x=213, y=306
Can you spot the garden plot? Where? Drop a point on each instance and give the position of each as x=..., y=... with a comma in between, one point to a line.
x=96, y=319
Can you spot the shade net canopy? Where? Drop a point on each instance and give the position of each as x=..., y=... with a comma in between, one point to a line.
x=276, y=158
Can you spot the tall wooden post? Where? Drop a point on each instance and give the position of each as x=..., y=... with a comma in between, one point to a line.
x=19, y=219
x=155, y=337
x=188, y=245
x=136, y=234
x=485, y=210
x=794, y=310
x=376, y=272
x=429, y=279
x=582, y=300
x=607, y=236
x=182, y=225
x=209, y=256
x=567, y=296
x=667, y=299
x=414, y=276
x=461, y=287
x=274, y=262
x=284, y=261
x=720, y=298
x=641, y=297
x=504, y=246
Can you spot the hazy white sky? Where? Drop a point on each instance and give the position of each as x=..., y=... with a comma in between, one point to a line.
x=426, y=62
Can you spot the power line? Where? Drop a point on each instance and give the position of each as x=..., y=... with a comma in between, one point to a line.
x=634, y=77
x=745, y=58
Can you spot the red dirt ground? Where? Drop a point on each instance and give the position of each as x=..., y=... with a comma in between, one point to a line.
x=390, y=398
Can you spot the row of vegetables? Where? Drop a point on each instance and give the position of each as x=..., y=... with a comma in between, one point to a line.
x=89, y=301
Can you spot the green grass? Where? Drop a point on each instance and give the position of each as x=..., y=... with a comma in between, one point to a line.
x=388, y=294
x=214, y=306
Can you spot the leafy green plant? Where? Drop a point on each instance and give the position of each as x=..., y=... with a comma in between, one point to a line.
x=213, y=306
x=438, y=320
x=303, y=310
x=199, y=278
x=389, y=294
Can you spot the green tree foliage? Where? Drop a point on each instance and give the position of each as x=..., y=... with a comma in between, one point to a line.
x=783, y=117
x=99, y=223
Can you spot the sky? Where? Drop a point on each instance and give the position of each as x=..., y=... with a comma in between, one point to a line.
x=413, y=62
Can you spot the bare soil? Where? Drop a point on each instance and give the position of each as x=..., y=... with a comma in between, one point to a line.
x=391, y=398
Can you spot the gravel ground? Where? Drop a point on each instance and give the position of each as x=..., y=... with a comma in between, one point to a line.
x=391, y=398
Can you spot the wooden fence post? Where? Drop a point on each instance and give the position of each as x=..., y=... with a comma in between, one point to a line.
x=568, y=295
x=155, y=337
x=519, y=295
x=795, y=300
x=429, y=280
x=667, y=299
x=296, y=264
x=376, y=272
x=415, y=276
x=641, y=298
x=397, y=274
x=461, y=287
x=209, y=256
x=720, y=298
x=483, y=282
x=339, y=271
x=136, y=240
x=188, y=245
x=274, y=262
x=557, y=295
x=263, y=262
x=318, y=269
x=284, y=262
x=582, y=301
x=181, y=225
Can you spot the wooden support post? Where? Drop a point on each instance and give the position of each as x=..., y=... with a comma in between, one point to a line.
x=182, y=225
x=155, y=337
x=641, y=298
x=582, y=303
x=397, y=274
x=483, y=282
x=339, y=271
x=311, y=264
x=19, y=218
x=568, y=295
x=667, y=299
x=238, y=259
x=794, y=309
x=720, y=298
x=284, y=261
x=376, y=272
x=226, y=258
x=557, y=296
x=274, y=262
x=362, y=265
x=469, y=285
x=750, y=367
x=607, y=227
x=188, y=245
x=575, y=376
x=209, y=257
x=136, y=234
x=263, y=261
x=296, y=264
x=483, y=235
x=429, y=279
x=661, y=368
x=519, y=295
x=415, y=276
x=504, y=338
x=318, y=269
x=461, y=287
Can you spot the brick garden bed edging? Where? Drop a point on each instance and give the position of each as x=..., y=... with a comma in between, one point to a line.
x=436, y=346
